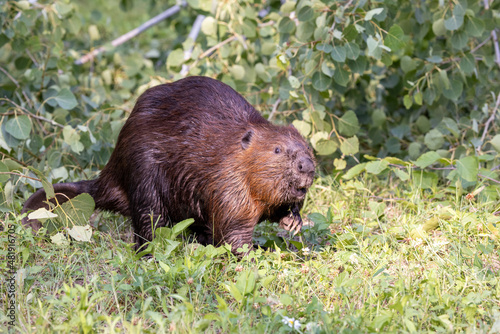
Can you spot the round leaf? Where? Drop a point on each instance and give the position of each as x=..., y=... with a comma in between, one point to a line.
x=348, y=124
x=350, y=146
x=394, y=38
x=321, y=81
x=19, y=127
x=66, y=99
x=434, y=139
x=467, y=168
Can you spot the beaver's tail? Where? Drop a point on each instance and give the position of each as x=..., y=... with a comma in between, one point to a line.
x=63, y=192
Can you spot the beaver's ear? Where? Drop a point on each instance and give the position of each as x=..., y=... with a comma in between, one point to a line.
x=245, y=141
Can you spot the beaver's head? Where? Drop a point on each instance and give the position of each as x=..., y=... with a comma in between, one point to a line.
x=281, y=165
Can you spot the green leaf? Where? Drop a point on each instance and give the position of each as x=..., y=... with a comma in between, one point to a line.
x=81, y=233
x=72, y=138
x=325, y=147
x=397, y=161
x=402, y=175
x=42, y=214
x=456, y=20
x=418, y=97
x=285, y=299
x=407, y=101
x=77, y=210
x=354, y=171
x=321, y=82
x=338, y=53
x=438, y=27
x=66, y=99
x=374, y=49
x=376, y=167
x=339, y=164
x=19, y=127
x=246, y=282
x=459, y=40
x=394, y=38
x=341, y=76
x=47, y=186
x=209, y=26
x=371, y=13
x=468, y=64
x=235, y=293
x=59, y=239
x=427, y=159
x=306, y=13
x=352, y=50
x=424, y=180
x=181, y=227
x=288, y=7
x=434, y=139
x=303, y=127
x=286, y=25
x=305, y=30
x=408, y=64
x=468, y=168
x=4, y=169
x=294, y=82
x=175, y=58
x=238, y=72
x=474, y=26
x=348, y=124
x=495, y=142
x=454, y=91
x=350, y=146
x=350, y=33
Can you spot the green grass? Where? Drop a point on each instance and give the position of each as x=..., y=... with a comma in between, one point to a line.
x=375, y=256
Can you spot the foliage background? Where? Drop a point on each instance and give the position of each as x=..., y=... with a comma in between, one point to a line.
x=398, y=92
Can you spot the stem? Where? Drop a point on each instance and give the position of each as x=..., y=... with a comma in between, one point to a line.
x=193, y=34
x=491, y=118
x=132, y=33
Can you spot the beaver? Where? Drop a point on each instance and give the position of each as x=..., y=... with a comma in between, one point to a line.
x=195, y=148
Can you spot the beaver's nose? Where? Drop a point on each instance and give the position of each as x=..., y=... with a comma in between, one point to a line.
x=305, y=165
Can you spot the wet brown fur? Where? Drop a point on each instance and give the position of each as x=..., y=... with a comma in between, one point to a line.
x=196, y=148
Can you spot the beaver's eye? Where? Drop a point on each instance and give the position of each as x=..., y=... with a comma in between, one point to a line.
x=277, y=150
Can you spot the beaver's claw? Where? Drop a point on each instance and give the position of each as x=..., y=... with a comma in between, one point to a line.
x=292, y=222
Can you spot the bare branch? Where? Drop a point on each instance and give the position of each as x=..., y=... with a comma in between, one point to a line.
x=27, y=113
x=495, y=45
x=217, y=46
x=21, y=175
x=132, y=33
x=193, y=34
x=491, y=118
x=275, y=107
x=488, y=178
x=9, y=76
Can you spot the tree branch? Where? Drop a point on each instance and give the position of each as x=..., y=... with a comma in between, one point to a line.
x=495, y=45
x=132, y=33
x=193, y=34
x=490, y=119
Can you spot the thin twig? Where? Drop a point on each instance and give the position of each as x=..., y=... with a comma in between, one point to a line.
x=495, y=45
x=491, y=118
x=489, y=178
x=275, y=107
x=480, y=45
x=22, y=175
x=193, y=34
x=27, y=113
x=132, y=33
x=217, y=46
x=9, y=76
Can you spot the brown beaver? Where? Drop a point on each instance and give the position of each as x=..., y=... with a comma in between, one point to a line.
x=195, y=148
